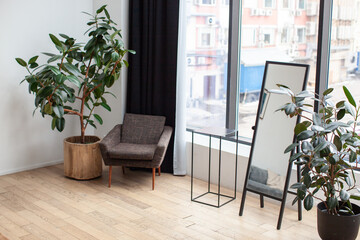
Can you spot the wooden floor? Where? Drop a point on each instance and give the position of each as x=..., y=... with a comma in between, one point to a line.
x=42, y=204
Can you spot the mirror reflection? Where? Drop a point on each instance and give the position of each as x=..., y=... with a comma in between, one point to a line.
x=269, y=164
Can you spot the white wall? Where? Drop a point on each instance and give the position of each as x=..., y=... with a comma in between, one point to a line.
x=28, y=142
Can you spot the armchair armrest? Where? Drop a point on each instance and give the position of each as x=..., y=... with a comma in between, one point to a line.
x=162, y=145
x=111, y=139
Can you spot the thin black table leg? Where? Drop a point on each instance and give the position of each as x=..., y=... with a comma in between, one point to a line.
x=209, y=163
x=219, y=171
x=192, y=163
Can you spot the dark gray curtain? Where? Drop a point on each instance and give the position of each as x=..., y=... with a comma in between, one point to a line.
x=153, y=34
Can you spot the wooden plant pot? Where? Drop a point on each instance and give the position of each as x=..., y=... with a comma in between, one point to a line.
x=82, y=161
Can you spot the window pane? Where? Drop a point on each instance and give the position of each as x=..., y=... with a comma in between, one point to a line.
x=345, y=49
x=207, y=29
x=285, y=34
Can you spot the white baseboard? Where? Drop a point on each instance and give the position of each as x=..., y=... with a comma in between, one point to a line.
x=34, y=166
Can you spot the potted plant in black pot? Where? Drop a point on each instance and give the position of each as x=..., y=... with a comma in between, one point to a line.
x=74, y=82
x=327, y=149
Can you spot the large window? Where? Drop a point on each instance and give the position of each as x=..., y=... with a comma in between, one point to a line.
x=345, y=49
x=288, y=33
x=282, y=37
x=207, y=60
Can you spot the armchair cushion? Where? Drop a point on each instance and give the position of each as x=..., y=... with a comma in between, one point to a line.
x=142, y=129
x=131, y=151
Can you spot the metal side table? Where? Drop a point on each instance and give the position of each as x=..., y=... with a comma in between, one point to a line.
x=221, y=133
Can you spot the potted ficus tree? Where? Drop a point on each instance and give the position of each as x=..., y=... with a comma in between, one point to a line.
x=327, y=149
x=74, y=82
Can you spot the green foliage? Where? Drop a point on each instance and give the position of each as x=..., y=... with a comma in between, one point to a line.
x=328, y=148
x=78, y=72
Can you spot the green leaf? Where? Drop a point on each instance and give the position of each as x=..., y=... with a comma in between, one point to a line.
x=115, y=56
x=321, y=146
x=331, y=202
x=340, y=114
x=48, y=109
x=59, y=111
x=55, y=40
x=33, y=59
x=21, y=62
x=305, y=135
x=317, y=119
x=295, y=156
x=49, y=54
x=98, y=118
x=107, y=107
x=74, y=80
x=328, y=91
x=337, y=142
x=34, y=65
x=44, y=92
x=64, y=36
x=334, y=159
x=54, y=70
x=131, y=51
x=301, y=193
x=100, y=9
x=349, y=96
x=308, y=202
x=126, y=63
x=344, y=195
x=112, y=36
x=295, y=200
x=291, y=147
x=355, y=197
x=297, y=185
x=72, y=69
x=60, y=124
x=324, y=168
x=353, y=156
x=54, y=58
x=306, y=147
x=349, y=109
x=53, y=123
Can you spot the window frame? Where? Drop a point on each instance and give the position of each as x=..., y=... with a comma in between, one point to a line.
x=234, y=45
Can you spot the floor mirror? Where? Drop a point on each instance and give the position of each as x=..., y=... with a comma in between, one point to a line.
x=268, y=172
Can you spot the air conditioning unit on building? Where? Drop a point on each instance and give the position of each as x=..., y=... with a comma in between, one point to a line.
x=310, y=28
x=298, y=13
x=268, y=13
x=262, y=12
x=201, y=60
x=196, y=2
x=210, y=20
x=292, y=12
x=311, y=9
x=190, y=61
x=254, y=12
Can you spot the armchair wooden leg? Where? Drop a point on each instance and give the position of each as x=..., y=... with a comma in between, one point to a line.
x=153, y=178
x=123, y=169
x=159, y=171
x=110, y=171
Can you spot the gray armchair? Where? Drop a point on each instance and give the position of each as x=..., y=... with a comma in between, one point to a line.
x=141, y=141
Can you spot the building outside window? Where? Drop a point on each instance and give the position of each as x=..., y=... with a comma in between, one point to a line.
x=285, y=4
x=300, y=34
x=293, y=38
x=268, y=3
x=301, y=4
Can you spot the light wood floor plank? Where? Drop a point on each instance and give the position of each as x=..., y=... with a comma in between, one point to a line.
x=43, y=204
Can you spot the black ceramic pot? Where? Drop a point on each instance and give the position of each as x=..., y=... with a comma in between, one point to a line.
x=331, y=227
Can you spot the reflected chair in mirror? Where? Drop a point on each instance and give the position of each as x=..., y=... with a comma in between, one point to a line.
x=141, y=141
